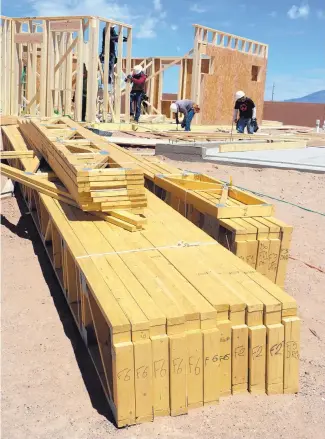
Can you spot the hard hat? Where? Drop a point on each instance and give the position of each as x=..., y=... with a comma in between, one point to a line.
x=137, y=69
x=239, y=94
x=173, y=108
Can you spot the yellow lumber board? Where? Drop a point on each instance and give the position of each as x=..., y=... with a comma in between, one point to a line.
x=212, y=380
x=291, y=354
x=274, y=358
x=109, y=307
x=195, y=369
x=288, y=303
x=178, y=361
x=143, y=381
x=160, y=379
x=13, y=140
x=124, y=388
x=261, y=146
x=239, y=364
x=224, y=327
x=257, y=359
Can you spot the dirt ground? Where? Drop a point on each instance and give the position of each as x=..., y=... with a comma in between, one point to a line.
x=50, y=389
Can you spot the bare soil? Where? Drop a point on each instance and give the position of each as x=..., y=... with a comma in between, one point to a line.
x=50, y=389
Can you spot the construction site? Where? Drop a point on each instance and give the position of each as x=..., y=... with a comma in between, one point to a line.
x=154, y=267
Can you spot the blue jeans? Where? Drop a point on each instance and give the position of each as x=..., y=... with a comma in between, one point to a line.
x=135, y=104
x=245, y=123
x=187, y=120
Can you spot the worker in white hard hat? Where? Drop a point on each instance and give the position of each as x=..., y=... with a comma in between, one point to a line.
x=112, y=51
x=138, y=79
x=245, y=113
x=188, y=109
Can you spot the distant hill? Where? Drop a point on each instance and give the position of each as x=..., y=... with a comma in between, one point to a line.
x=314, y=98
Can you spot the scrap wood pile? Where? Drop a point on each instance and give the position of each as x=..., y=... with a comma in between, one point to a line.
x=172, y=320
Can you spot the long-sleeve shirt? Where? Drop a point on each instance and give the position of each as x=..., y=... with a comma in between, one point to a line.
x=184, y=106
x=138, y=82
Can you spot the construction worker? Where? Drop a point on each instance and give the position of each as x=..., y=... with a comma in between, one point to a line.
x=247, y=113
x=138, y=79
x=112, y=52
x=188, y=109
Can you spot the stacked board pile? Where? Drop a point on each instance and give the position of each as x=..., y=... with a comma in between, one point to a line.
x=172, y=320
x=96, y=181
x=242, y=222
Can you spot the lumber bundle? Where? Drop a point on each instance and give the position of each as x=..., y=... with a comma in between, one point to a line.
x=172, y=320
x=21, y=157
x=83, y=167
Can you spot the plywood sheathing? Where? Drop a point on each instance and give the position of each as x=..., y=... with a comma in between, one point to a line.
x=231, y=71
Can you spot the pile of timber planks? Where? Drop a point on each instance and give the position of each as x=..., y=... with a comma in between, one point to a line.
x=242, y=222
x=172, y=320
x=47, y=183
x=83, y=167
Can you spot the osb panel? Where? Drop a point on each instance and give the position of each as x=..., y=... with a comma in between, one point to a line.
x=232, y=71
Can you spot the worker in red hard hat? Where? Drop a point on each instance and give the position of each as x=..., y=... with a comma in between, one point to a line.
x=245, y=113
x=138, y=79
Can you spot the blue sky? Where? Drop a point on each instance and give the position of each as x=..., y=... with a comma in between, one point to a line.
x=294, y=30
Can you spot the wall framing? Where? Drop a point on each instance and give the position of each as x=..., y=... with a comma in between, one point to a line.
x=42, y=64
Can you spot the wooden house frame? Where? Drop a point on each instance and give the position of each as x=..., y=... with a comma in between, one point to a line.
x=50, y=53
x=195, y=65
x=42, y=62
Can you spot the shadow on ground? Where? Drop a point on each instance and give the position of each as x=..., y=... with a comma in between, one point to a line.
x=26, y=229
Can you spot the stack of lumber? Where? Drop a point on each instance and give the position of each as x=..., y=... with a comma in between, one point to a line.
x=82, y=168
x=172, y=320
x=22, y=158
x=242, y=222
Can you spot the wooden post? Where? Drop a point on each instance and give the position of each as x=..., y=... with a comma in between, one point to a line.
x=106, y=70
x=160, y=87
x=15, y=71
x=50, y=70
x=128, y=70
x=68, y=77
x=118, y=75
x=92, y=82
x=79, y=78
x=43, y=72
x=196, y=68
x=152, y=80
x=180, y=80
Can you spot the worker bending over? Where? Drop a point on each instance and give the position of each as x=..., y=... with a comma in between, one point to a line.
x=112, y=52
x=138, y=79
x=247, y=113
x=188, y=109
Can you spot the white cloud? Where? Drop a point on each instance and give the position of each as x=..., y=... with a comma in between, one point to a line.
x=147, y=28
x=273, y=14
x=174, y=27
x=298, y=11
x=225, y=23
x=321, y=14
x=157, y=5
x=196, y=8
x=109, y=9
